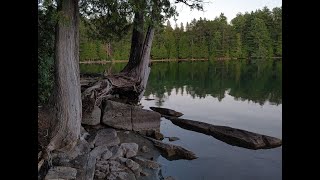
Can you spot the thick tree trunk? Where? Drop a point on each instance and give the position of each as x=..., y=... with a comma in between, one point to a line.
x=67, y=111
x=130, y=83
x=137, y=41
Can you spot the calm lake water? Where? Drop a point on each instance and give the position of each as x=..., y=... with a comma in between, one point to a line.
x=239, y=94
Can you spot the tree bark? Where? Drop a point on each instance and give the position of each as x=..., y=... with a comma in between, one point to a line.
x=67, y=105
x=137, y=41
x=130, y=83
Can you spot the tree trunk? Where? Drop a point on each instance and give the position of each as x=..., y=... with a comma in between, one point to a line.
x=136, y=41
x=67, y=105
x=131, y=83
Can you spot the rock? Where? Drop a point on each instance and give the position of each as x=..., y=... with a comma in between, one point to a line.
x=102, y=167
x=169, y=178
x=107, y=137
x=128, y=117
x=106, y=155
x=155, y=134
x=122, y=159
x=171, y=151
x=129, y=149
x=146, y=163
x=99, y=174
x=143, y=119
x=121, y=175
x=127, y=132
x=173, y=138
x=83, y=134
x=145, y=149
x=115, y=166
x=167, y=112
x=60, y=172
x=117, y=152
x=117, y=115
x=92, y=118
x=143, y=173
x=232, y=136
x=132, y=165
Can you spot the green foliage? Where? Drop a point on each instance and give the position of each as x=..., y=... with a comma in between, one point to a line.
x=255, y=34
x=46, y=24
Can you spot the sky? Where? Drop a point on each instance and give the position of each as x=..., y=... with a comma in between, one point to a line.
x=214, y=8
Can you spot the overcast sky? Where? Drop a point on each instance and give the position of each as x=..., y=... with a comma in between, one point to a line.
x=230, y=8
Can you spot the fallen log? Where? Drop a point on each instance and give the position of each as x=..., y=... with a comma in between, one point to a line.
x=171, y=151
x=229, y=135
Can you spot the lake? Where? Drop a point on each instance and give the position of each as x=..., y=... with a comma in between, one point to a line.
x=238, y=93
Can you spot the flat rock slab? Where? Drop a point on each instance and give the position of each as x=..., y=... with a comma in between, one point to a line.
x=60, y=172
x=128, y=117
x=173, y=152
x=166, y=111
x=229, y=135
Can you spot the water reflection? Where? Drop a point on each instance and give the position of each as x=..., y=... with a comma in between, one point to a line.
x=257, y=81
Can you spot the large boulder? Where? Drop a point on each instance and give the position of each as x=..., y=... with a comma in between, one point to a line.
x=92, y=118
x=117, y=115
x=128, y=117
x=143, y=119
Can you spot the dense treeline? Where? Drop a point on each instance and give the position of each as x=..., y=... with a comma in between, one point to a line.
x=255, y=34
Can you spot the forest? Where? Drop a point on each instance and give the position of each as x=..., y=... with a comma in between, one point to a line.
x=256, y=35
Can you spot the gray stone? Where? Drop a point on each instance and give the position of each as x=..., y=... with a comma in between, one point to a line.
x=155, y=134
x=166, y=111
x=143, y=119
x=99, y=174
x=92, y=118
x=173, y=138
x=173, y=152
x=229, y=135
x=145, y=149
x=106, y=155
x=169, y=178
x=60, y=172
x=107, y=137
x=115, y=166
x=116, y=152
x=147, y=163
x=129, y=149
x=117, y=115
x=132, y=165
x=128, y=117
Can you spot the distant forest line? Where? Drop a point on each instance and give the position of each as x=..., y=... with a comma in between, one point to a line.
x=251, y=35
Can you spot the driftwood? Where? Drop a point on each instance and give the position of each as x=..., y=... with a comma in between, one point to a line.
x=229, y=135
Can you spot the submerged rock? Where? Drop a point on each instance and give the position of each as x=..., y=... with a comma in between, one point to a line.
x=173, y=152
x=167, y=112
x=146, y=163
x=229, y=135
x=155, y=134
x=173, y=138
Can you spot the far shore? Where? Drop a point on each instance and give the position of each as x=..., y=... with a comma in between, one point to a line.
x=160, y=60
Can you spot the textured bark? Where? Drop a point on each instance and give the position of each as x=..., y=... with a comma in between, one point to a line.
x=130, y=83
x=136, y=41
x=67, y=105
